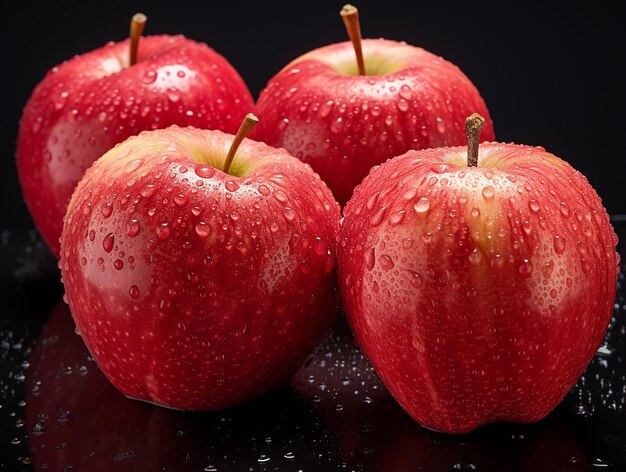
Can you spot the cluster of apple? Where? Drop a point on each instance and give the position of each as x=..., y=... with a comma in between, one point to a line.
x=200, y=266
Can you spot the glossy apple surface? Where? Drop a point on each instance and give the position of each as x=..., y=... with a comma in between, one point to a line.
x=479, y=294
x=93, y=101
x=193, y=288
x=341, y=123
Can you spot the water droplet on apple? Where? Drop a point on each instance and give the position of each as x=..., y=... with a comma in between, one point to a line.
x=441, y=126
x=149, y=77
x=475, y=212
x=415, y=278
x=163, y=231
x=180, y=199
x=132, y=228
x=489, y=192
x=336, y=126
x=422, y=205
x=133, y=291
x=231, y=185
x=534, y=206
x=326, y=108
x=83, y=260
x=475, y=257
x=564, y=209
x=108, y=242
x=525, y=268
x=585, y=265
x=203, y=230
x=118, y=264
x=107, y=209
x=375, y=111
x=148, y=191
x=370, y=258
x=402, y=105
x=280, y=196
x=397, y=217
x=133, y=165
x=559, y=244
x=173, y=94
x=371, y=201
x=289, y=213
x=497, y=262
x=92, y=235
x=405, y=92
x=379, y=216
x=305, y=267
x=205, y=171
x=386, y=262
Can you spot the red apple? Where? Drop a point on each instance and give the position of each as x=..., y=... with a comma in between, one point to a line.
x=194, y=288
x=93, y=101
x=478, y=293
x=322, y=111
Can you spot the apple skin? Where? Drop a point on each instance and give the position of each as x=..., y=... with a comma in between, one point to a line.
x=87, y=104
x=479, y=294
x=192, y=288
x=343, y=124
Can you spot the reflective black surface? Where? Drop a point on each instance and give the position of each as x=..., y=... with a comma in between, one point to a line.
x=58, y=412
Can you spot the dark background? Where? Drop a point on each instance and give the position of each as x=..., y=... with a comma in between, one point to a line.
x=551, y=74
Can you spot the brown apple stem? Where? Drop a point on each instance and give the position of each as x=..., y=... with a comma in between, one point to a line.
x=137, y=24
x=473, y=125
x=350, y=16
x=247, y=124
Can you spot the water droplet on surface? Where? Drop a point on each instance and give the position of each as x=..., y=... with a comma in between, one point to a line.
x=231, y=185
x=289, y=213
x=132, y=228
x=149, y=77
x=489, y=192
x=173, y=94
x=203, y=230
x=379, y=216
x=118, y=264
x=475, y=257
x=133, y=291
x=148, y=190
x=415, y=279
x=559, y=244
x=180, y=199
x=386, y=262
x=205, y=171
x=585, y=265
x=163, y=231
x=108, y=242
x=534, y=206
x=525, y=268
x=107, y=209
x=422, y=205
x=370, y=258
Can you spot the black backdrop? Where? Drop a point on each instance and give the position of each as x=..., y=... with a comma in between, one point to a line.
x=552, y=75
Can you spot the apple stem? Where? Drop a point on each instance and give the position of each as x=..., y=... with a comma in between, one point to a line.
x=247, y=124
x=137, y=24
x=473, y=125
x=350, y=16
